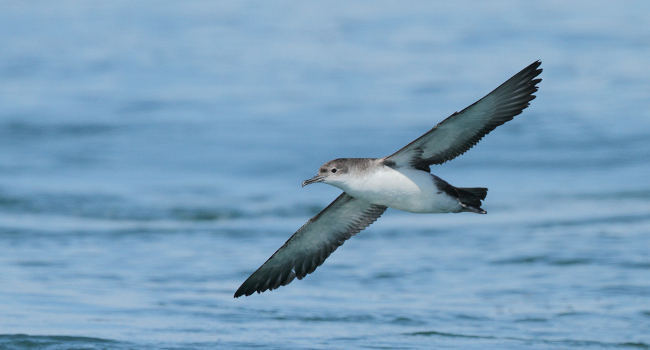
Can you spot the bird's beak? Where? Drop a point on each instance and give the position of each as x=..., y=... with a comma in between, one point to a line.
x=317, y=178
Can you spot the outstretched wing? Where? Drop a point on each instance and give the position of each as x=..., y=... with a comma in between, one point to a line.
x=313, y=243
x=462, y=130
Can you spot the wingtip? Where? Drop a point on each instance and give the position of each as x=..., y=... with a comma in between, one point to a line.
x=533, y=68
x=536, y=66
x=531, y=73
x=243, y=290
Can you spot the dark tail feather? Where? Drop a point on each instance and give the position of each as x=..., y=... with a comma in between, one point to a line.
x=471, y=197
x=479, y=192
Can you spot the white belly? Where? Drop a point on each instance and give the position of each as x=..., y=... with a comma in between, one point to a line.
x=404, y=189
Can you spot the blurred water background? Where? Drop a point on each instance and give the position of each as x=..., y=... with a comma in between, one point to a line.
x=151, y=155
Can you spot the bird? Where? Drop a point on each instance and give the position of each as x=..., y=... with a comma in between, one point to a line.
x=402, y=180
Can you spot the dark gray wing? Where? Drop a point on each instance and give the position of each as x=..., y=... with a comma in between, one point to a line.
x=462, y=130
x=313, y=243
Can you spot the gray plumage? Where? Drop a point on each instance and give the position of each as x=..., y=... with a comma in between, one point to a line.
x=313, y=243
x=462, y=130
x=401, y=180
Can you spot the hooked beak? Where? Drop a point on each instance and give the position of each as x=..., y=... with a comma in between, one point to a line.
x=317, y=178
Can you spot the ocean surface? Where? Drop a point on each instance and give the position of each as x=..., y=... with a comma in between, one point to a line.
x=151, y=155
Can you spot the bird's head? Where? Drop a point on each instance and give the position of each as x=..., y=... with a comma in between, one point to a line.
x=334, y=172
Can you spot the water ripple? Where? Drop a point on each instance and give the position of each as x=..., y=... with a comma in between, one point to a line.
x=566, y=342
x=55, y=342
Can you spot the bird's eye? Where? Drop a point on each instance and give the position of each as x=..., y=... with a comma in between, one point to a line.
x=333, y=170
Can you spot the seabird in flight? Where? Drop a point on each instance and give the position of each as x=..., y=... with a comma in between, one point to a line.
x=401, y=180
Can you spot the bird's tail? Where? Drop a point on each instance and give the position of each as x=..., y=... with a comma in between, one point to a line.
x=470, y=198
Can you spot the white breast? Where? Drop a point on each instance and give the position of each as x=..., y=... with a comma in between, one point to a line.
x=405, y=189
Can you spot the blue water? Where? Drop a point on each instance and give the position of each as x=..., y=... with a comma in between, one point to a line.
x=151, y=156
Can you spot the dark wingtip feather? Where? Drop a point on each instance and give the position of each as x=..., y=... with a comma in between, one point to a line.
x=535, y=65
x=241, y=292
x=247, y=288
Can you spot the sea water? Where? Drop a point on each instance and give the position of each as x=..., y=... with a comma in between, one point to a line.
x=151, y=155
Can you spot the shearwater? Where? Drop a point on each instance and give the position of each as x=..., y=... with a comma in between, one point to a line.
x=401, y=180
